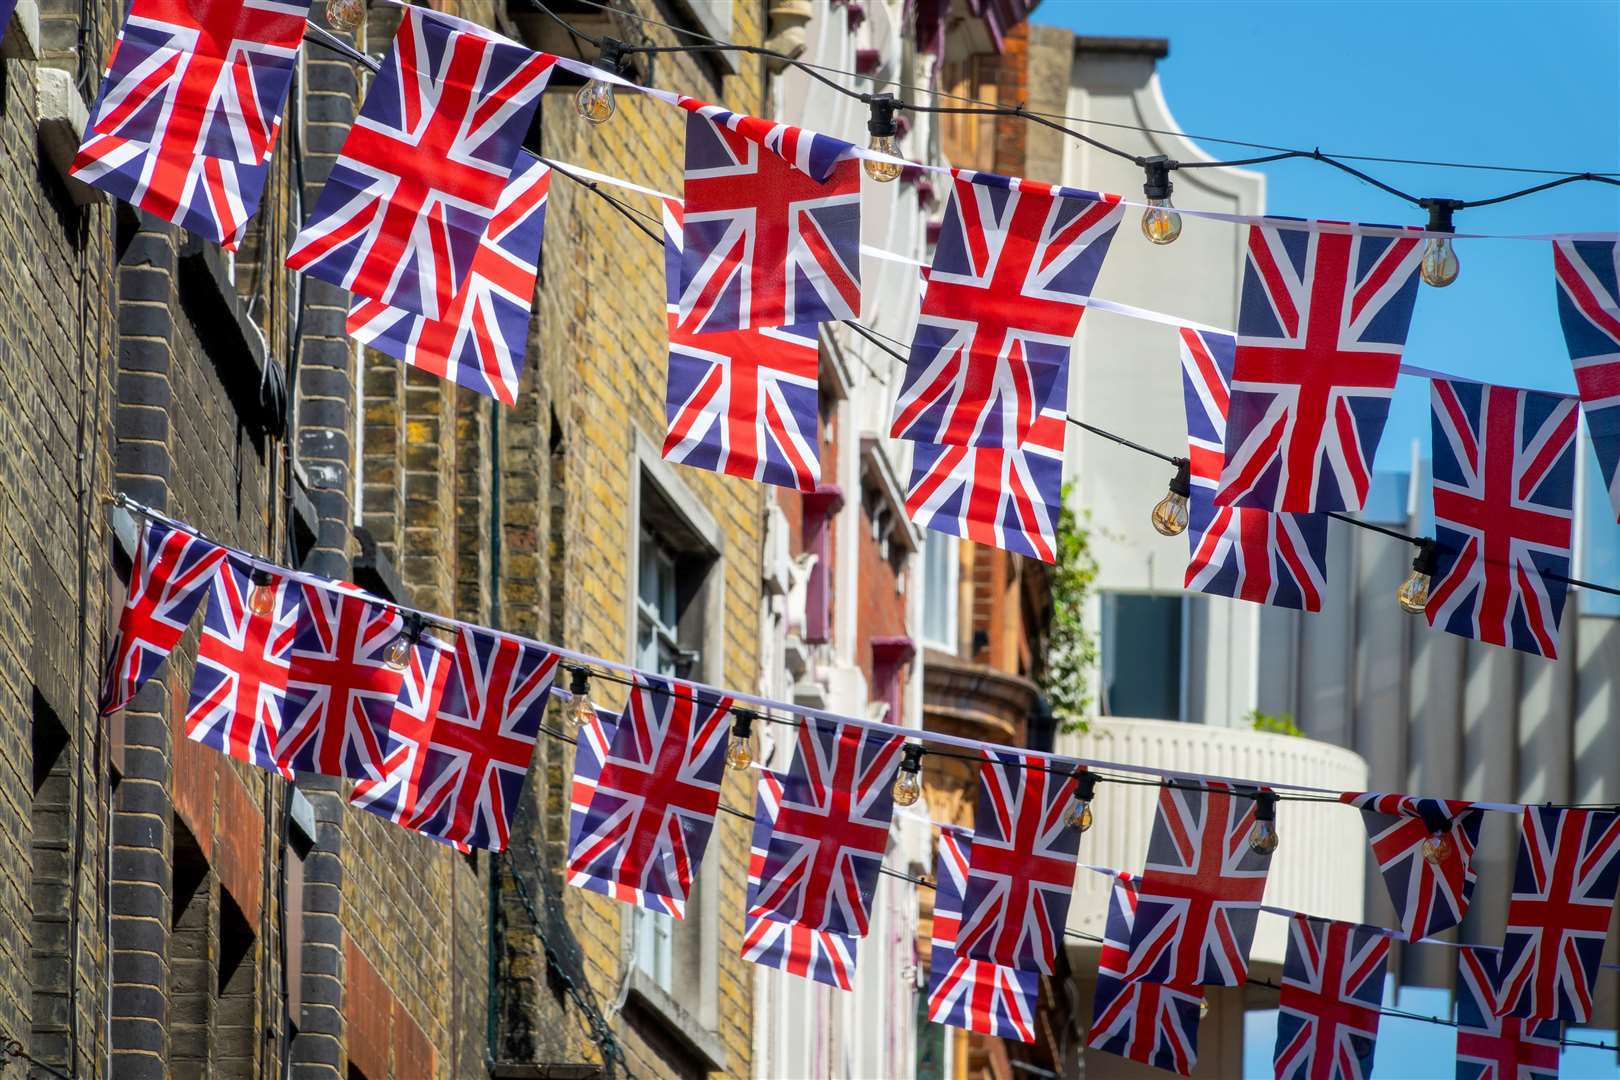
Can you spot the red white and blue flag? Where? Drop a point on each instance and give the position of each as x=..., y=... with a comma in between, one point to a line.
x=1153, y=1023
x=1491, y=1047
x=1199, y=898
x=1327, y=1013
x=190, y=107
x=1009, y=498
x=460, y=740
x=481, y=341
x=1014, y=265
x=1425, y=850
x=1239, y=551
x=239, y=690
x=169, y=576
x=652, y=810
x=420, y=175
x=1588, y=274
x=741, y=402
x=975, y=995
x=1022, y=866
x=831, y=828
x=827, y=956
x=341, y=691
x=773, y=225
x=1504, y=511
x=1559, y=913
x=1321, y=325
x=590, y=753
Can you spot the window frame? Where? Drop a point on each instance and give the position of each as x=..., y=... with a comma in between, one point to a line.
x=1105, y=653
x=950, y=550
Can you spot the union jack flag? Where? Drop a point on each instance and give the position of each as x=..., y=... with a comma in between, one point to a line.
x=797, y=948
x=1504, y=498
x=773, y=225
x=976, y=995
x=1153, y=1023
x=1009, y=498
x=190, y=107
x=461, y=738
x=1321, y=326
x=419, y=176
x=740, y=402
x=1021, y=871
x=168, y=578
x=1563, y=897
x=1278, y=559
x=1429, y=897
x=340, y=691
x=831, y=829
x=1588, y=273
x=590, y=752
x=1015, y=263
x=1199, y=897
x=481, y=341
x=239, y=690
x=1327, y=1013
x=1491, y=1047
x=649, y=819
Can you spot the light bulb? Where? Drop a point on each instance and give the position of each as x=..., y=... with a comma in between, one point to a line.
x=398, y=653
x=1160, y=222
x=883, y=171
x=1436, y=849
x=595, y=102
x=1203, y=1008
x=1170, y=515
x=262, y=596
x=1413, y=595
x=738, y=754
x=1439, y=267
x=1263, y=837
x=581, y=711
x=907, y=787
x=1081, y=817
x=584, y=710
x=345, y=14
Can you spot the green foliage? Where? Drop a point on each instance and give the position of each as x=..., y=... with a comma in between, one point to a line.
x=1071, y=652
x=1280, y=724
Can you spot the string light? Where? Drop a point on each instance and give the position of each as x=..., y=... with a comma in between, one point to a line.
x=1263, y=838
x=398, y=653
x=1437, y=848
x=583, y=710
x=908, y=785
x=1413, y=595
x=262, y=597
x=1160, y=222
x=345, y=14
x=595, y=99
x=1080, y=817
x=739, y=751
x=1203, y=1007
x=1170, y=515
x=1439, y=267
x=883, y=129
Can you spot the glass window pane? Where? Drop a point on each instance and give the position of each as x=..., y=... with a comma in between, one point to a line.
x=939, y=591
x=1141, y=656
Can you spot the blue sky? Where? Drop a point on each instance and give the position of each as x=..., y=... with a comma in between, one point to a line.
x=1500, y=83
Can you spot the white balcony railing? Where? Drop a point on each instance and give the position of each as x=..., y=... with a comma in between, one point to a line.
x=1319, y=867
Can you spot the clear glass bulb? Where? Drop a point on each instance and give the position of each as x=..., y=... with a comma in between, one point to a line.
x=1437, y=849
x=739, y=755
x=882, y=171
x=345, y=14
x=1080, y=817
x=1439, y=267
x=1263, y=837
x=580, y=713
x=595, y=102
x=398, y=653
x=908, y=787
x=1413, y=595
x=262, y=599
x=1203, y=1008
x=1170, y=515
x=1160, y=222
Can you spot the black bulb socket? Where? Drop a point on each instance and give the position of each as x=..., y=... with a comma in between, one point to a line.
x=579, y=681
x=1440, y=211
x=262, y=577
x=881, y=121
x=1181, y=483
x=911, y=758
x=1265, y=806
x=1157, y=170
x=742, y=724
x=612, y=55
x=1087, y=781
x=1427, y=559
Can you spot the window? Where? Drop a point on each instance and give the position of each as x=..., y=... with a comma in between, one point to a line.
x=1596, y=546
x=658, y=610
x=1142, y=656
x=655, y=947
x=940, y=568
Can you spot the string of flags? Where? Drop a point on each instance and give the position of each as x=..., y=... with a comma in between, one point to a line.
x=433, y=218
x=300, y=673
